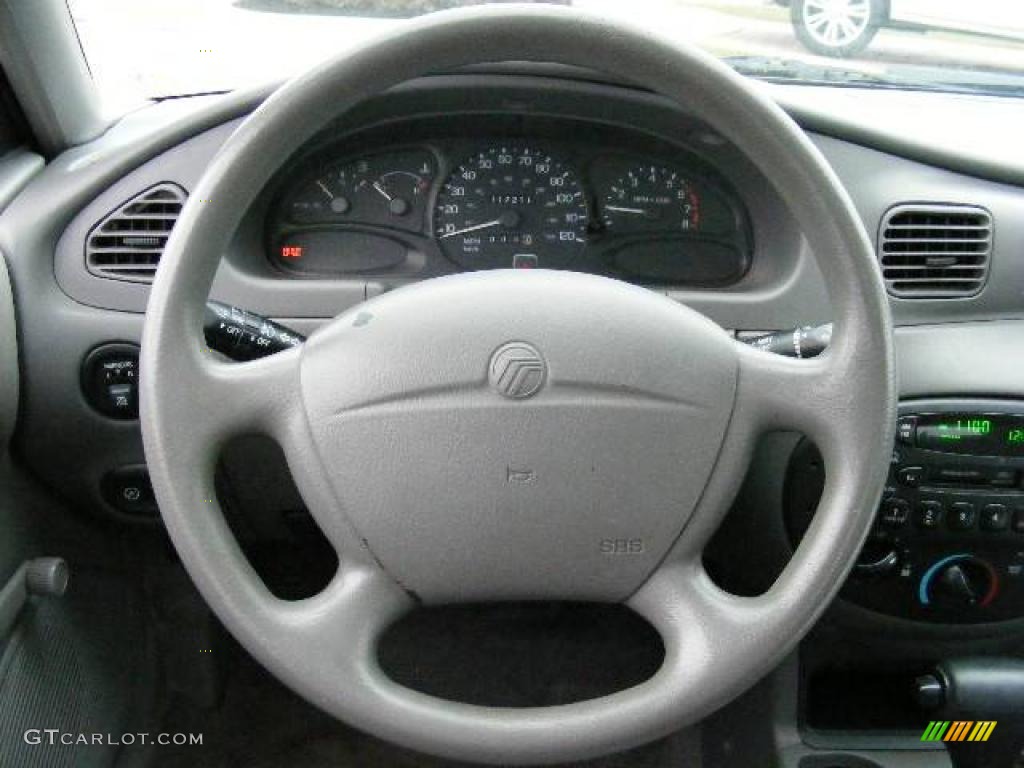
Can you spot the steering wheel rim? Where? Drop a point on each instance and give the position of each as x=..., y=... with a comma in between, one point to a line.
x=323, y=647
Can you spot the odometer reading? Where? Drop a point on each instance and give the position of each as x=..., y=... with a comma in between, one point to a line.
x=511, y=206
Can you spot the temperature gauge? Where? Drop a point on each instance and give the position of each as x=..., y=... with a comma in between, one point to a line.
x=387, y=190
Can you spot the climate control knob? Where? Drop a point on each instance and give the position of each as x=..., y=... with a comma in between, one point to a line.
x=879, y=557
x=959, y=581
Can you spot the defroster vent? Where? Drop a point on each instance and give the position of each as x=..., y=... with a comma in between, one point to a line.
x=128, y=243
x=935, y=251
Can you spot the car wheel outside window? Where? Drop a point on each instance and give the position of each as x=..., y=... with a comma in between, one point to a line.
x=836, y=28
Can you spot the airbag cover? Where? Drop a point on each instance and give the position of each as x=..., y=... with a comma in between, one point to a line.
x=515, y=434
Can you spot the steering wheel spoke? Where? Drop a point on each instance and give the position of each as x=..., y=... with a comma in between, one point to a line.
x=264, y=396
x=832, y=399
x=338, y=628
x=257, y=396
x=778, y=392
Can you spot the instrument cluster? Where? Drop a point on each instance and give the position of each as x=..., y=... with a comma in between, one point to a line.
x=434, y=206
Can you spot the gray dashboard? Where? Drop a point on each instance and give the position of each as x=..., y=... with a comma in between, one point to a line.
x=945, y=347
x=248, y=277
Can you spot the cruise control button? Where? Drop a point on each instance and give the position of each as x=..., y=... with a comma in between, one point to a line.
x=962, y=516
x=894, y=513
x=928, y=515
x=911, y=476
x=994, y=517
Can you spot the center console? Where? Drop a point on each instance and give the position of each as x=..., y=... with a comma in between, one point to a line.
x=948, y=541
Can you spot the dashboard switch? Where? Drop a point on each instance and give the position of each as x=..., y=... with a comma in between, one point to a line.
x=800, y=342
x=962, y=516
x=911, y=476
x=929, y=515
x=906, y=429
x=121, y=398
x=129, y=491
x=995, y=517
x=243, y=335
x=894, y=513
x=110, y=380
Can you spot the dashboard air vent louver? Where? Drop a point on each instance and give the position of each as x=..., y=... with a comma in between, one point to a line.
x=935, y=251
x=128, y=242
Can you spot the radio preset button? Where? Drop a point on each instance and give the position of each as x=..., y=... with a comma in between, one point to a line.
x=895, y=512
x=994, y=517
x=962, y=516
x=928, y=515
x=911, y=476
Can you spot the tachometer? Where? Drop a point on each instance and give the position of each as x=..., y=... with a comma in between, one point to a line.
x=650, y=198
x=511, y=206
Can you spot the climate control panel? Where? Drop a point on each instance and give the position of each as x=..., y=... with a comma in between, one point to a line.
x=948, y=541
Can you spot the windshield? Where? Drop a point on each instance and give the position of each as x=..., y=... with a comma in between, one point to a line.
x=139, y=49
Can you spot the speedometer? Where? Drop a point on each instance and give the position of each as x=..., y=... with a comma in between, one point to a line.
x=511, y=206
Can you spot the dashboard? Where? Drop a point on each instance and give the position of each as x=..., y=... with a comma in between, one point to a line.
x=440, y=196
x=530, y=169
x=533, y=168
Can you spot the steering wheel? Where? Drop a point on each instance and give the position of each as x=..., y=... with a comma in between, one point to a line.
x=517, y=434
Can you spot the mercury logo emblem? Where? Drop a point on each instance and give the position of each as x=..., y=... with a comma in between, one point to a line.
x=517, y=370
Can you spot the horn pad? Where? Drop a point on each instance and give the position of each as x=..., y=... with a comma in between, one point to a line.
x=519, y=434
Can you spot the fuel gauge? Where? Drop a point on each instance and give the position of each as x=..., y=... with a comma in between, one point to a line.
x=386, y=190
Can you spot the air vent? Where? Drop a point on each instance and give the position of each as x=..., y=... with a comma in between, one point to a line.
x=935, y=251
x=128, y=243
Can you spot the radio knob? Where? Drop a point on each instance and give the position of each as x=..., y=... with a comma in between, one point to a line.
x=879, y=556
x=959, y=580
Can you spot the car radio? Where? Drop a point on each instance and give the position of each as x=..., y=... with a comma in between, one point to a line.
x=948, y=541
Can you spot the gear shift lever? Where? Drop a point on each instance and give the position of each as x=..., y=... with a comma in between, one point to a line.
x=979, y=689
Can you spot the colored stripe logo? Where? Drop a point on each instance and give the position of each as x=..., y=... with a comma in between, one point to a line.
x=959, y=730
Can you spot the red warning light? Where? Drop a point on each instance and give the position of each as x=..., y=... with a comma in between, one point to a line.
x=291, y=251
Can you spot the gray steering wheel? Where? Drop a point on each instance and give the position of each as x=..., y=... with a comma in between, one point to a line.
x=518, y=435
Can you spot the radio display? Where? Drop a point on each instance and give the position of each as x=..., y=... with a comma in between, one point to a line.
x=972, y=433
